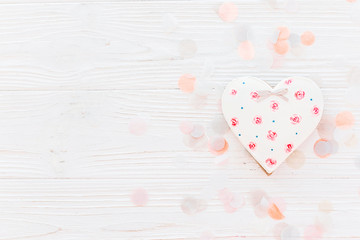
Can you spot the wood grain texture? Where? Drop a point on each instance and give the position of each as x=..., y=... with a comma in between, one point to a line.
x=74, y=73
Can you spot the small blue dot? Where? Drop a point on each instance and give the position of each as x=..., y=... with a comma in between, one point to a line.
x=296, y=133
x=239, y=134
x=242, y=107
x=272, y=149
x=310, y=99
x=243, y=82
x=257, y=136
x=273, y=120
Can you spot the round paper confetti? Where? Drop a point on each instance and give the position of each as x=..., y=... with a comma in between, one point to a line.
x=284, y=33
x=261, y=210
x=275, y=36
x=186, y=127
x=290, y=233
x=197, y=131
x=322, y=148
x=246, y=50
x=259, y=200
x=231, y=201
x=281, y=47
x=275, y=213
x=279, y=202
x=296, y=160
x=186, y=83
x=324, y=221
x=307, y=38
x=139, y=197
x=278, y=229
x=221, y=151
x=352, y=142
x=187, y=48
x=344, y=120
x=334, y=146
x=197, y=101
x=195, y=143
x=219, y=125
x=343, y=135
x=228, y=12
x=294, y=40
x=297, y=50
x=313, y=232
x=326, y=127
x=191, y=206
x=237, y=201
x=217, y=143
x=222, y=158
x=138, y=126
x=257, y=196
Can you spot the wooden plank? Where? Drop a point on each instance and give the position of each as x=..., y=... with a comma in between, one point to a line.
x=125, y=46
x=84, y=134
x=93, y=208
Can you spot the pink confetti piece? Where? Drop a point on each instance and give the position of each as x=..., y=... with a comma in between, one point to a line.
x=186, y=83
x=231, y=201
x=344, y=120
x=307, y=38
x=217, y=143
x=139, y=197
x=198, y=131
x=322, y=148
x=186, y=127
x=313, y=232
x=138, y=126
x=228, y=12
x=191, y=206
x=246, y=50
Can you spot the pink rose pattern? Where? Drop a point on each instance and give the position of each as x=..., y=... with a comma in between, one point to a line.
x=295, y=119
x=274, y=105
x=288, y=82
x=257, y=120
x=272, y=135
x=289, y=147
x=299, y=95
x=315, y=110
x=270, y=162
x=234, y=122
x=252, y=145
x=254, y=95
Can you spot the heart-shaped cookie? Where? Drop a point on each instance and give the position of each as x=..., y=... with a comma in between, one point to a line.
x=272, y=122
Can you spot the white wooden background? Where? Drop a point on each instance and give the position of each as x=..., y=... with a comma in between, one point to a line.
x=74, y=73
